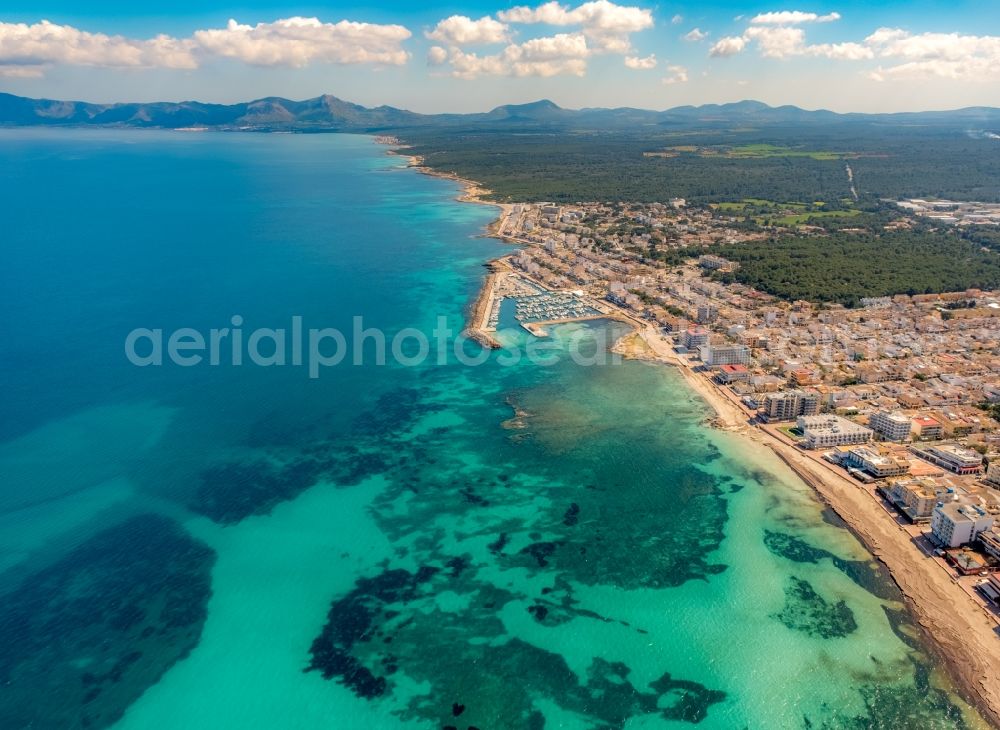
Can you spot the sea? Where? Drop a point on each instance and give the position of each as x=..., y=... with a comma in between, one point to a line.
x=424, y=540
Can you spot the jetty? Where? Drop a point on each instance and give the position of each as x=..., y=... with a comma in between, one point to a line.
x=480, y=323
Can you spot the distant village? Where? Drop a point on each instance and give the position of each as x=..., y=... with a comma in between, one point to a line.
x=897, y=393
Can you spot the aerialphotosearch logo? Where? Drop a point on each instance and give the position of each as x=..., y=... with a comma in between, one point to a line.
x=317, y=348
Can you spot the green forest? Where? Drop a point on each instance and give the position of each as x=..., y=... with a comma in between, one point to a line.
x=845, y=267
x=621, y=165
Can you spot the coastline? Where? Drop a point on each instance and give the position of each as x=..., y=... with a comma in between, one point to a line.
x=472, y=191
x=955, y=626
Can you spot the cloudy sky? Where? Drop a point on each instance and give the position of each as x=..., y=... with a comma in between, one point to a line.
x=846, y=56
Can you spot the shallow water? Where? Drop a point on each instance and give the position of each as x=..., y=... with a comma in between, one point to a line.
x=434, y=546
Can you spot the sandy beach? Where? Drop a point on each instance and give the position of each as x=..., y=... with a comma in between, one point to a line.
x=958, y=626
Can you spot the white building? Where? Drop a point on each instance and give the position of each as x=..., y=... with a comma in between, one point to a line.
x=892, y=426
x=790, y=404
x=879, y=465
x=954, y=524
x=827, y=431
x=695, y=337
x=952, y=457
x=716, y=355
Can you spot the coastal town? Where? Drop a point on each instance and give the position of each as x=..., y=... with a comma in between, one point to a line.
x=889, y=409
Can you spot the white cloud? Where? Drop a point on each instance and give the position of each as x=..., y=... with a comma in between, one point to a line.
x=943, y=55
x=641, y=64
x=695, y=35
x=459, y=30
x=29, y=49
x=778, y=42
x=561, y=54
x=299, y=41
x=786, y=42
x=24, y=46
x=728, y=46
x=938, y=46
x=563, y=45
x=792, y=17
x=436, y=56
x=841, y=51
x=677, y=19
x=602, y=27
x=606, y=25
x=597, y=15
x=905, y=55
x=677, y=75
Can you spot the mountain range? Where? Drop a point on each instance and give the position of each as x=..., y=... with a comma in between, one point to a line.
x=328, y=113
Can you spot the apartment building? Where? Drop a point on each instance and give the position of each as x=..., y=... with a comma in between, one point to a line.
x=790, y=404
x=892, y=426
x=916, y=498
x=695, y=337
x=926, y=428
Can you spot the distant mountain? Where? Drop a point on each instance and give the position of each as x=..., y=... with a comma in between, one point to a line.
x=328, y=113
x=536, y=111
x=324, y=112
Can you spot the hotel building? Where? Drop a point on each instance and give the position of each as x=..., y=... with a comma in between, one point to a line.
x=716, y=355
x=879, y=463
x=790, y=404
x=828, y=431
x=954, y=524
x=891, y=426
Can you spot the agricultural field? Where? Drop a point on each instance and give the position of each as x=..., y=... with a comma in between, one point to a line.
x=752, y=152
x=763, y=151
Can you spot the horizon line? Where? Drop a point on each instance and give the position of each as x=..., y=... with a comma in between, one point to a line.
x=532, y=102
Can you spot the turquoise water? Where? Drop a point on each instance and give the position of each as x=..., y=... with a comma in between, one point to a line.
x=382, y=546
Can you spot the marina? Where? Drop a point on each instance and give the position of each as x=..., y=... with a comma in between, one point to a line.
x=554, y=307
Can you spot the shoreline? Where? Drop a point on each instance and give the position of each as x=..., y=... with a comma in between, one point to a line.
x=471, y=190
x=958, y=629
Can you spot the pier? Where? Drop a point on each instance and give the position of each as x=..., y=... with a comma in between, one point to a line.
x=536, y=305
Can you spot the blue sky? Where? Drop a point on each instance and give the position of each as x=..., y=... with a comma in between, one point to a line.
x=469, y=56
